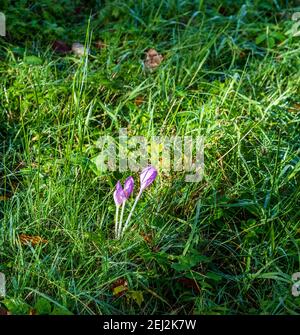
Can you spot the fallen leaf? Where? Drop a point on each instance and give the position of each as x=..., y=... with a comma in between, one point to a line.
x=147, y=237
x=100, y=44
x=136, y=296
x=139, y=100
x=32, y=311
x=242, y=54
x=119, y=287
x=61, y=47
x=189, y=283
x=33, y=240
x=119, y=290
x=4, y=197
x=153, y=59
x=78, y=49
x=295, y=108
x=4, y=311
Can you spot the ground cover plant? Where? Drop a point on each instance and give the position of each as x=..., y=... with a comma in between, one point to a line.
x=225, y=70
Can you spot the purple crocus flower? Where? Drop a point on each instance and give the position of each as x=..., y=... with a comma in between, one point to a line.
x=119, y=195
x=147, y=176
x=128, y=187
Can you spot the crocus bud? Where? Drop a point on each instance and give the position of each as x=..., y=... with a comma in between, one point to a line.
x=119, y=195
x=128, y=187
x=147, y=176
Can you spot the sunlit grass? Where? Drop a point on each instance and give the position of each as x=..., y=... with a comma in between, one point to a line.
x=226, y=245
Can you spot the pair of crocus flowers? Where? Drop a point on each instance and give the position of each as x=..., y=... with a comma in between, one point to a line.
x=147, y=177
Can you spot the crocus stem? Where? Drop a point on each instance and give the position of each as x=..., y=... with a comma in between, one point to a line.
x=121, y=220
x=131, y=212
x=116, y=223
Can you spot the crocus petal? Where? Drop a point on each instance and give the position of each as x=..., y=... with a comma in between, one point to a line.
x=119, y=195
x=147, y=176
x=128, y=186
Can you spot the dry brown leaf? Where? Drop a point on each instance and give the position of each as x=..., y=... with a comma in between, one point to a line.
x=4, y=197
x=147, y=237
x=242, y=54
x=153, y=59
x=29, y=239
x=189, y=283
x=295, y=108
x=32, y=311
x=4, y=311
x=61, y=47
x=100, y=45
x=119, y=287
x=78, y=49
x=139, y=100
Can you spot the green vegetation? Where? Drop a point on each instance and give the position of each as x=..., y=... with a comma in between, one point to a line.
x=226, y=245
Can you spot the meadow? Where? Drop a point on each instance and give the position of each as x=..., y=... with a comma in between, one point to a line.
x=229, y=71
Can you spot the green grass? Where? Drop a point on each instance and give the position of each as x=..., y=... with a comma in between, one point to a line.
x=226, y=245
